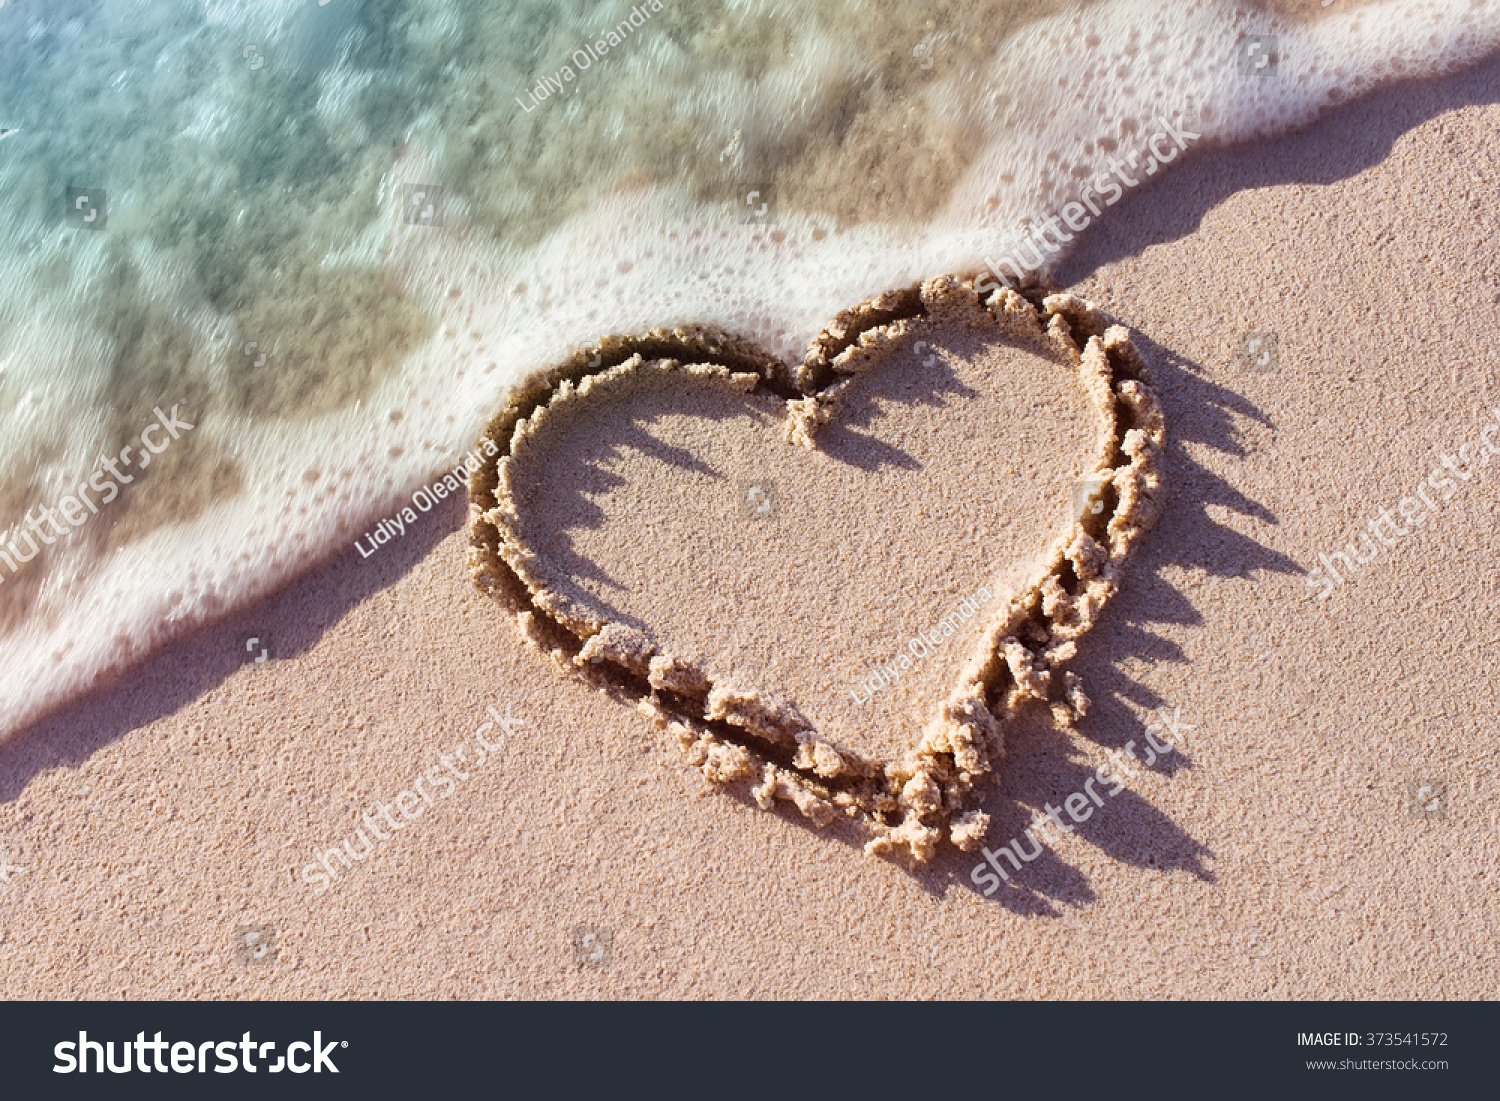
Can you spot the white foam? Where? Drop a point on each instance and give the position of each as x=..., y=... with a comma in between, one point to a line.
x=621, y=251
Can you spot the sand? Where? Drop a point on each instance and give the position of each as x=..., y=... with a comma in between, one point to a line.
x=617, y=484
x=1277, y=854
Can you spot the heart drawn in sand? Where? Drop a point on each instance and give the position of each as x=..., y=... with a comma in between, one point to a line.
x=727, y=722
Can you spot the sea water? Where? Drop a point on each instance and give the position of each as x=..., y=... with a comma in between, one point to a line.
x=333, y=233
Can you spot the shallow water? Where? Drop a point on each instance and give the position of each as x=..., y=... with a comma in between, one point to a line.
x=330, y=236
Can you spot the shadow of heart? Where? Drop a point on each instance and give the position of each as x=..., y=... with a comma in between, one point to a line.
x=734, y=732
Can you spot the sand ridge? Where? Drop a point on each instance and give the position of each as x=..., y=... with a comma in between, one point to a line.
x=734, y=732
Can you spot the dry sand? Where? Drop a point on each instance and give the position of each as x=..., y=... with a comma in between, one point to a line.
x=932, y=478
x=1276, y=858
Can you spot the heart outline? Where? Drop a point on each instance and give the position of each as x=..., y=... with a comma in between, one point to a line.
x=731, y=733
